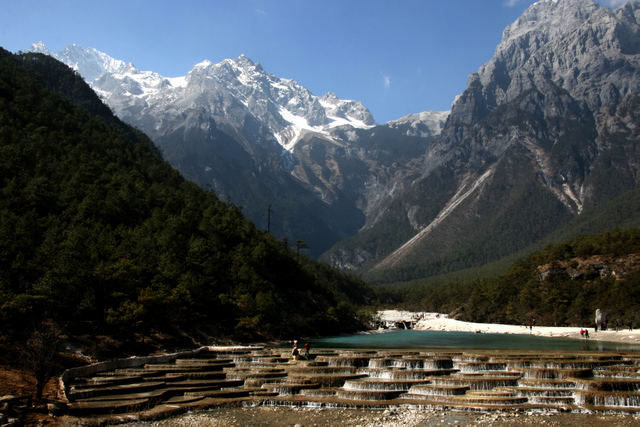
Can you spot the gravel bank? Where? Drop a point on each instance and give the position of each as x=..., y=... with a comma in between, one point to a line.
x=307, y=417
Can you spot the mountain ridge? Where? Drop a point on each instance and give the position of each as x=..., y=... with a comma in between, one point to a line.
x=298, y=108
x=229, y=120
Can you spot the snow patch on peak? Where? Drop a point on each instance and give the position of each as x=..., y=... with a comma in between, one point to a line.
x=90, y=62
x=40, y=48
x=178, y=81
x=331, y=98
x=204, y=64
x=244, y=61
x=426, y=123
x=337, y=112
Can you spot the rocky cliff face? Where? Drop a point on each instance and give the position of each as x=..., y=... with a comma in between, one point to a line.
x=589, y=268
x=543, y=131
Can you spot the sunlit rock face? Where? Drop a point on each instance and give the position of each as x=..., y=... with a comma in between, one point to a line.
x=546, y=129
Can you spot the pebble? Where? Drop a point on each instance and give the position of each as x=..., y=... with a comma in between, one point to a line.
x=400, y=417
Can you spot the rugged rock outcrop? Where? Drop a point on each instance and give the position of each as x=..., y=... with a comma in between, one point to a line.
x=602, y=266
x=544, y=130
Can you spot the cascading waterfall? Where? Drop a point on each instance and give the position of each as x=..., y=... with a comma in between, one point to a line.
x=464, y=380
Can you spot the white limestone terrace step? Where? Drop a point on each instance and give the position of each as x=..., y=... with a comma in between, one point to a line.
x=536, y=382
x=320, y=392
x=196, y=384
x=610, y=399
x=224, y=393
x=182, y=375
x=476, y=383
x=199, y=367
x=367, y=383
x=539, y=391
x=493, y=392
x=289, y=388
x=607, y=384
x=74, y=395
x=108, y=407
x=557, y=397
x=152, y=396
x=480, y=366
x=138, y=372
x=181, y=400
x=550, y=383
x=560, y=364
x=419, y=391
x=478, y=374
x=368, y=395
x=355, y=361
x=470, y=399
x=194, y=361
x=415, y=374
x=342, y=370
x=97, y=382
x=411, y=363
x=246, y=374
x=327, y=379
x=620, y=367
x=258, y=382
x=551, y=373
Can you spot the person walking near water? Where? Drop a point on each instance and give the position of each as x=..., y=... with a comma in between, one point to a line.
x=307, y=347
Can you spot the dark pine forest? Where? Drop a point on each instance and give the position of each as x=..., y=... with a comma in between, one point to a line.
x=100, y=236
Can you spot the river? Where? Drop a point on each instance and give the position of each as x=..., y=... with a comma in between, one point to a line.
x=440, y=340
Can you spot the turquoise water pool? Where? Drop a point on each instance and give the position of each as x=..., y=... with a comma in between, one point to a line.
x=437, y=340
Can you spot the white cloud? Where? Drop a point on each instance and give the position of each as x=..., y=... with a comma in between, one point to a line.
x=260, y=12
x=511, y=3
x=387, y=81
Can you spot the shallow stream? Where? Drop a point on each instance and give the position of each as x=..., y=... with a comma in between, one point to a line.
x=438, y=340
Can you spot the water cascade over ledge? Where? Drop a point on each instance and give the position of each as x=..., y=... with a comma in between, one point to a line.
x=477, y=380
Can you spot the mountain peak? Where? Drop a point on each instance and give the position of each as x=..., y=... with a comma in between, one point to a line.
x=204, y=64
x=548, y=18
x=89, y=62
x=40, y=48
x=244, y=61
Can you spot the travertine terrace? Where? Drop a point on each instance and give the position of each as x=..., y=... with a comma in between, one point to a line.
x=151, y=388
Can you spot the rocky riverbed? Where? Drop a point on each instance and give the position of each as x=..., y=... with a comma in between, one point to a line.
x=265, y=416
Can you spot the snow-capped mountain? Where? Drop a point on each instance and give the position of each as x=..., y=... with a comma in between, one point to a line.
x=88, y=62
x=289, y=110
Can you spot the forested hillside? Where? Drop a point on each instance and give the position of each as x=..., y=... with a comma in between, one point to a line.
x=561, y=285
x=99, y=234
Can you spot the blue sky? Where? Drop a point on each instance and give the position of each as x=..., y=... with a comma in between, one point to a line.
x=397, y=57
